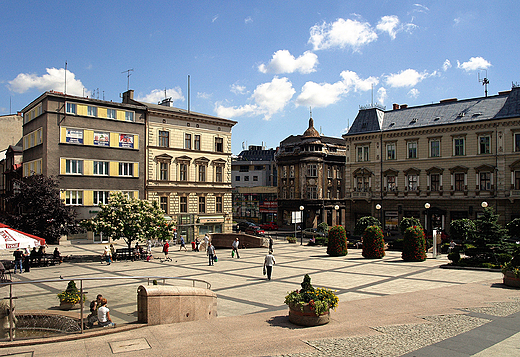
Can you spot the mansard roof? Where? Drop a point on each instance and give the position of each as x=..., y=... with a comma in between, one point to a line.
x=451, y=111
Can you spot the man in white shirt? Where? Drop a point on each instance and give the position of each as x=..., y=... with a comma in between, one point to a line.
x=268, y=264
x=235, y=246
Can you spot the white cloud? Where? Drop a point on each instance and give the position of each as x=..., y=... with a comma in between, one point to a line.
x=269, y=98
x=238, y=89
x=215, y=18
x=341, y=33
x=284, y=62
x=413, y=93
x=157, y=95
x=389, y=24
x=353, y=82
x=203, y=95
x=406, y=78
x=248, y=20
x=446, y=65
x=382, y=96
x=474, y=63
x=53, y=80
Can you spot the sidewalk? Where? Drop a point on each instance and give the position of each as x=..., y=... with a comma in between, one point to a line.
x=388, y=303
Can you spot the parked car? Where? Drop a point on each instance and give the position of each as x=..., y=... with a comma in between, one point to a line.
x=243, y=226
x=313, y=233
x=271, y=226
x=255, y=231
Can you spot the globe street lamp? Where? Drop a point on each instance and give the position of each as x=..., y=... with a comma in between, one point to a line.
x=378, y=208
x=426, y=206
x=484, y=204
x=336, y=208
x=301, y=221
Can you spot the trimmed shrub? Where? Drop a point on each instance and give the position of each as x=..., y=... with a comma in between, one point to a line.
x=462, y=229
x=337, y=245
x=454, y=257
x=407, y=223
x=365, y=222
x=414, y=245
x=323, y=227
x=373, y=243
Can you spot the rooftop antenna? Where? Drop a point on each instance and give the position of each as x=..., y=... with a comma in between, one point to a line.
x=310, y=111
x=484, y=81
x=188, y=93
x=372, y=94
x=65, y=89
x=128, y=74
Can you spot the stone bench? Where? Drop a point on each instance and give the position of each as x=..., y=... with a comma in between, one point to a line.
x=160, y=304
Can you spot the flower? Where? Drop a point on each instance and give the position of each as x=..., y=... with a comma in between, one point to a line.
x=320, y=299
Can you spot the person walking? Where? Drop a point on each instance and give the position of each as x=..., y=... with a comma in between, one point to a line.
x=183, y=244
x=165, y=249
x=268, y=264
x=18, y=258
x=235, y=246
x=206, y=241
x=107, y=255
x=270, y=243
x=211, y=253
x=113, y=252
x=103, y=313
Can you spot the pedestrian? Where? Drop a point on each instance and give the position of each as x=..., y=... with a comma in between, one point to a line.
x=206, y=241
x=183, y=244
x=107, y=256
x=175, y=236
x=18, y=258
x=57, y=256
x=197, y=244
x=94, y=305
x=149, y=248
x=113, y=252
x=165, y=249
x=211, y=253
x=103, y=314
x=235, y=246
x=268, y=264
x=270, y=243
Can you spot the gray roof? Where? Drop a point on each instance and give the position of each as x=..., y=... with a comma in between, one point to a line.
x=501, y=106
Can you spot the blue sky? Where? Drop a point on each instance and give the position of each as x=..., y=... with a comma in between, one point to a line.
x=261, y=63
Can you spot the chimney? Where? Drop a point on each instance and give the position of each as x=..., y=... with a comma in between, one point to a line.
x=395, y=106
x=404, y=106
x=128, y=96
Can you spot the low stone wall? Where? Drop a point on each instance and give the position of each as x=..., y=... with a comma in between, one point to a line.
x=159, y=304
x=224, y=240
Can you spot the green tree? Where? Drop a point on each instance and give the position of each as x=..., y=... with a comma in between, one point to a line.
x=130, y=219
x=490, y=234
x=365, y=222
x=323, y=227
x=39, y=210
x=462, y=229
x=408, y=222
x=337, y=242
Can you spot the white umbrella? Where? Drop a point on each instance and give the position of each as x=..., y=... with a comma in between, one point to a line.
x=12, y=239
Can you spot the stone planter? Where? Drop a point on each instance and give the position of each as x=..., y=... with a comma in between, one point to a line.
x=307, y=317
x=510, y=280
x=69, y=306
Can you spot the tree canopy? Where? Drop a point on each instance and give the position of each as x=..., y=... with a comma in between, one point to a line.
x=38, y=209
x=130, y=219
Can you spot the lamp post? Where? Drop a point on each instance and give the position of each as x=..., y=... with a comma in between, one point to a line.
x=301, y=222
x=378, y=208
x=426, y=206
x=336, y=208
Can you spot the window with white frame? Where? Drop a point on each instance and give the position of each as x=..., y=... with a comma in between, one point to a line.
x=312, y=192
x=164, y=171
x=73, y=197
x=187, y=141
x=74, y=167
x=459, y=146
x=363, y=153
x=101, y=168
x=312, y=170
x=111, y=114
x=92, y=111
x=71, y=108
x=390, y=151
x=484, y=146
x=183, y=171
x=435, y=148
x=412, y=182
x=484, y=178
x=129, y=116
x=412, y=149
x=362, y=183
x=196, y=143
x=219, y=144
x=126, y=169
x=101, y=197
x=391, y=183
x=164, y=138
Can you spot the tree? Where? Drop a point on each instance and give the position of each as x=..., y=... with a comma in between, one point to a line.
x=365, y=222
x=407, y=223
x=130, y=219
x=373, y=243
x=462, y=229
x=414, y=245
x=337, y=245
x=490, y=234
x=39, y=210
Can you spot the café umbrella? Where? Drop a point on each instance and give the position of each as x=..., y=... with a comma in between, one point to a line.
x=11, y=239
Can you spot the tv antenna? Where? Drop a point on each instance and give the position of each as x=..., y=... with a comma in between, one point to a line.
x=484, y=81
x=128, y=74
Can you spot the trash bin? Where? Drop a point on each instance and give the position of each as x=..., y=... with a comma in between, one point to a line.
x=193, y=245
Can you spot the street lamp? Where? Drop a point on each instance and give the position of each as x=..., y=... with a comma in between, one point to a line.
x=301, y=222
x=426, y=206
x=484, y=204
x=378, y=208
x=336, y=208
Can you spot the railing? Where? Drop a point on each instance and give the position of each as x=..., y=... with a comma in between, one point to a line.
x=155, y=279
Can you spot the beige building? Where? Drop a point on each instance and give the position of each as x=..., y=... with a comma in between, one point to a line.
x=188, y=167
x=436, y=162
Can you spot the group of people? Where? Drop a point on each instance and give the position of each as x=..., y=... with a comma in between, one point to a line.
x=33, y=257
x=100, y=313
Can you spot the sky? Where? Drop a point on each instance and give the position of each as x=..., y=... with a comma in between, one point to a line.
x=268, y=65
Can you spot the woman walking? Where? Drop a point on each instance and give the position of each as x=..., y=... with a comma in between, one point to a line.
x=268, y=264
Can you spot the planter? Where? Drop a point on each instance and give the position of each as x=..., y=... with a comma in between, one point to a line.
x=69, y=306
x=510, y=280
x=307, y=317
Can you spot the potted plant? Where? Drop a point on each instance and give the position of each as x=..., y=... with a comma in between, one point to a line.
x=511, y=269
x=70, y=298
x=291, y=239
x=309, y=306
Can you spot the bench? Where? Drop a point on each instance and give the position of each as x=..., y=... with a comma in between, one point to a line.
x=128, y=254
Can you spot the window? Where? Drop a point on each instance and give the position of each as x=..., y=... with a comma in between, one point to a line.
x=412, y=183
x=312, y=192
x=164, y=203
x=517, y=180
x=244, y=168
x=183, y=172
x=129, y=116
x=459, y=181
x=196, y=143
x=312, y=170
x=202, y=204
x=484, y=144
x=126, y=169
x=412, y=149
x=291, y=171
x=218, y=173
x=362, y=153
x=219, y=145
x=187, y=141
x=435, y=148
x=255, y=178
x=435, y=182
x=485, y=181
x=73, y=197
x=218, y=204
x=458, y=147
x=164, y=138
x=517, y=142
x=184, y=204
x=362, y=184
x=237, y=178
x=111, y=114
x=390, y=183
x=71, y=108
x=202, y=173
x=246, y=178
x=101, y=168
x=74, y=167
x=92, y=111
x=390, y=151
x=164, y=169
x=101, y=197
x=38, y=136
